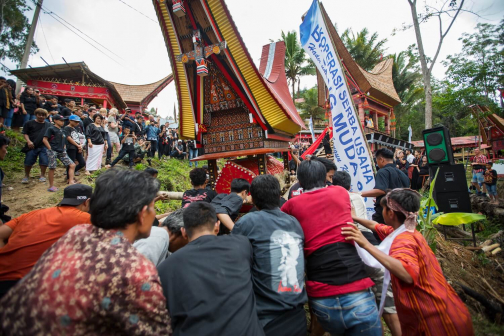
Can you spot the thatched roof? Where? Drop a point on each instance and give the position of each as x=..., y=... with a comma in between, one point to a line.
x=377, y=82
x=142, y=94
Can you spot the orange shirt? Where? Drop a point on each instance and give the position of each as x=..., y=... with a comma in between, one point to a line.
x=429, y=306
x=33, y=233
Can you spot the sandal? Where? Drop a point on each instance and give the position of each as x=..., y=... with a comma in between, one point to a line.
x=42, y=179
x=25, y=180
x=52, y=189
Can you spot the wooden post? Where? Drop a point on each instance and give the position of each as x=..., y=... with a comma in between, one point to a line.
x=261, y=164
x=286, y=166
x=105, y=103
x=463, y=154
x=212, y=169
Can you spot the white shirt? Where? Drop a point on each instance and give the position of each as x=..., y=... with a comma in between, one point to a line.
x=154, y=248
x=359, y=206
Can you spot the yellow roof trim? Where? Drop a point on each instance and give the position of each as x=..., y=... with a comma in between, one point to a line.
x=256, y=89
x=186, y=114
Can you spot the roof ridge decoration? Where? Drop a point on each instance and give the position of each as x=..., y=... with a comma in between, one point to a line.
x=213, y=20
x=378, y=82
x=142, y=94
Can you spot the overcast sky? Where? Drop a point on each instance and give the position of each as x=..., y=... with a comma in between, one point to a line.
x=138, y=54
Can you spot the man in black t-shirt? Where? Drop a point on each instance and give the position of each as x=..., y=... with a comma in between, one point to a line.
x=33, y=132
x=74, y=133
x=208, y=281
x=52, y=106
x=199, y=193
x=89, y=119
x=278, y=268
x=128, y=147
x=54, y=141
x=388, y=177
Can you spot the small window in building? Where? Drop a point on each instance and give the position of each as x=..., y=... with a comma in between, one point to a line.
x=222, y=136
x=259, y=133
x=231, y=135
x=250, y=134
x=240, y=134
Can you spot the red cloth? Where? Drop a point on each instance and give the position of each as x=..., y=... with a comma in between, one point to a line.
x=316, y=212
x=315, y=145
x=429, y=306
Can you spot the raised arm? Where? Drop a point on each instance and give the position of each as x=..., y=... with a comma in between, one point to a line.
x=365, y=222
x=393, y=265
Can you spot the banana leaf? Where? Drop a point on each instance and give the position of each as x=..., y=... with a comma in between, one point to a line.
x=457, y=218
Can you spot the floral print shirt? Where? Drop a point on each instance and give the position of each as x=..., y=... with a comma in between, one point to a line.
x=90, y=282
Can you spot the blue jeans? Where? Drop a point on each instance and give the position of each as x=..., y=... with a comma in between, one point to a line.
x=8, y=120
x=492, y=189
x=31, y=157
x=193, y=153
x=27, y=117
x=348, y=314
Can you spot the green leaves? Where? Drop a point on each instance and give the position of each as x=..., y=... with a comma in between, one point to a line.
x=309, y=108
x=14, y=27
x=365, y=49
x=457, y=218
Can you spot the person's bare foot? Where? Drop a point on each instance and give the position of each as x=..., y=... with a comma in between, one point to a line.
x=108, y=166
x=87, y=173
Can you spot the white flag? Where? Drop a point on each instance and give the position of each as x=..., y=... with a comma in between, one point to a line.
x=310, y=125
x=350, y=150
x=410, y=130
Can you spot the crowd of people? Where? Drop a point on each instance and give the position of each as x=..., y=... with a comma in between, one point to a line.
x=84, y=138
x=102, y=261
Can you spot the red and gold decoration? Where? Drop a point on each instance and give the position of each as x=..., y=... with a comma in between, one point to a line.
x=178, y=8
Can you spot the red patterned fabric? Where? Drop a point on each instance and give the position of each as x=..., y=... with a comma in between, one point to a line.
x=90, y=282
x=246, y=169
x=429, y=306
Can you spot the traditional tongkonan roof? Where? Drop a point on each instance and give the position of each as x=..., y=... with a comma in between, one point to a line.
x=142, y=94
x=186, y=23
x=378, y=82
x=77, y=73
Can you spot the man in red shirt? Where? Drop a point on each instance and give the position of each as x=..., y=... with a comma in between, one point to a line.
x=337, y=283
x=24, y=239
x=478, y=170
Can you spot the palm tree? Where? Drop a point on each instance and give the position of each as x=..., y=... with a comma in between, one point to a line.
x=296, y=62
x=309, y=107
x=366, y=50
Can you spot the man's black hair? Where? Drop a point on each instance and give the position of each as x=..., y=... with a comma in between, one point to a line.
x=151, y=171
x=2, y=78
x=199, y=215
x=239, y=184
x=311, y=174
x=4, y=141
x=67, y=100
x=265, y=191
x=408, y=199
x=197, y=176
x=175, y=221
x=385, y=153
x=342, y=179
x=112, y=205
x=490, y=163
x=328, y=164
x=204, y=167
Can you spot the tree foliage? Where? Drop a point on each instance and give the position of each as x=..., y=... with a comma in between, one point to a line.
x=366, y=50
x=309, y=108
x=296, y=62
x=14, y=28
x=480, y=64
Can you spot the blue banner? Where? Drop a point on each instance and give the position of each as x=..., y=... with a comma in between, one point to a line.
x=350, y=149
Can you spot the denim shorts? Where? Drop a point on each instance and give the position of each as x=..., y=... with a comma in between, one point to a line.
x=492, y=189
x=478, y=177
x=63, y=157
x=31, y=157
x=348, y=314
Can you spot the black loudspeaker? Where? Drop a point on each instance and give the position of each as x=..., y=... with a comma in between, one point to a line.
x=451, y=192
x=438, y=146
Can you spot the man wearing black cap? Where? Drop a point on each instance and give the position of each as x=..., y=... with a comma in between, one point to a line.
x=128, y=120
x=24, y=239
x=54, y=141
